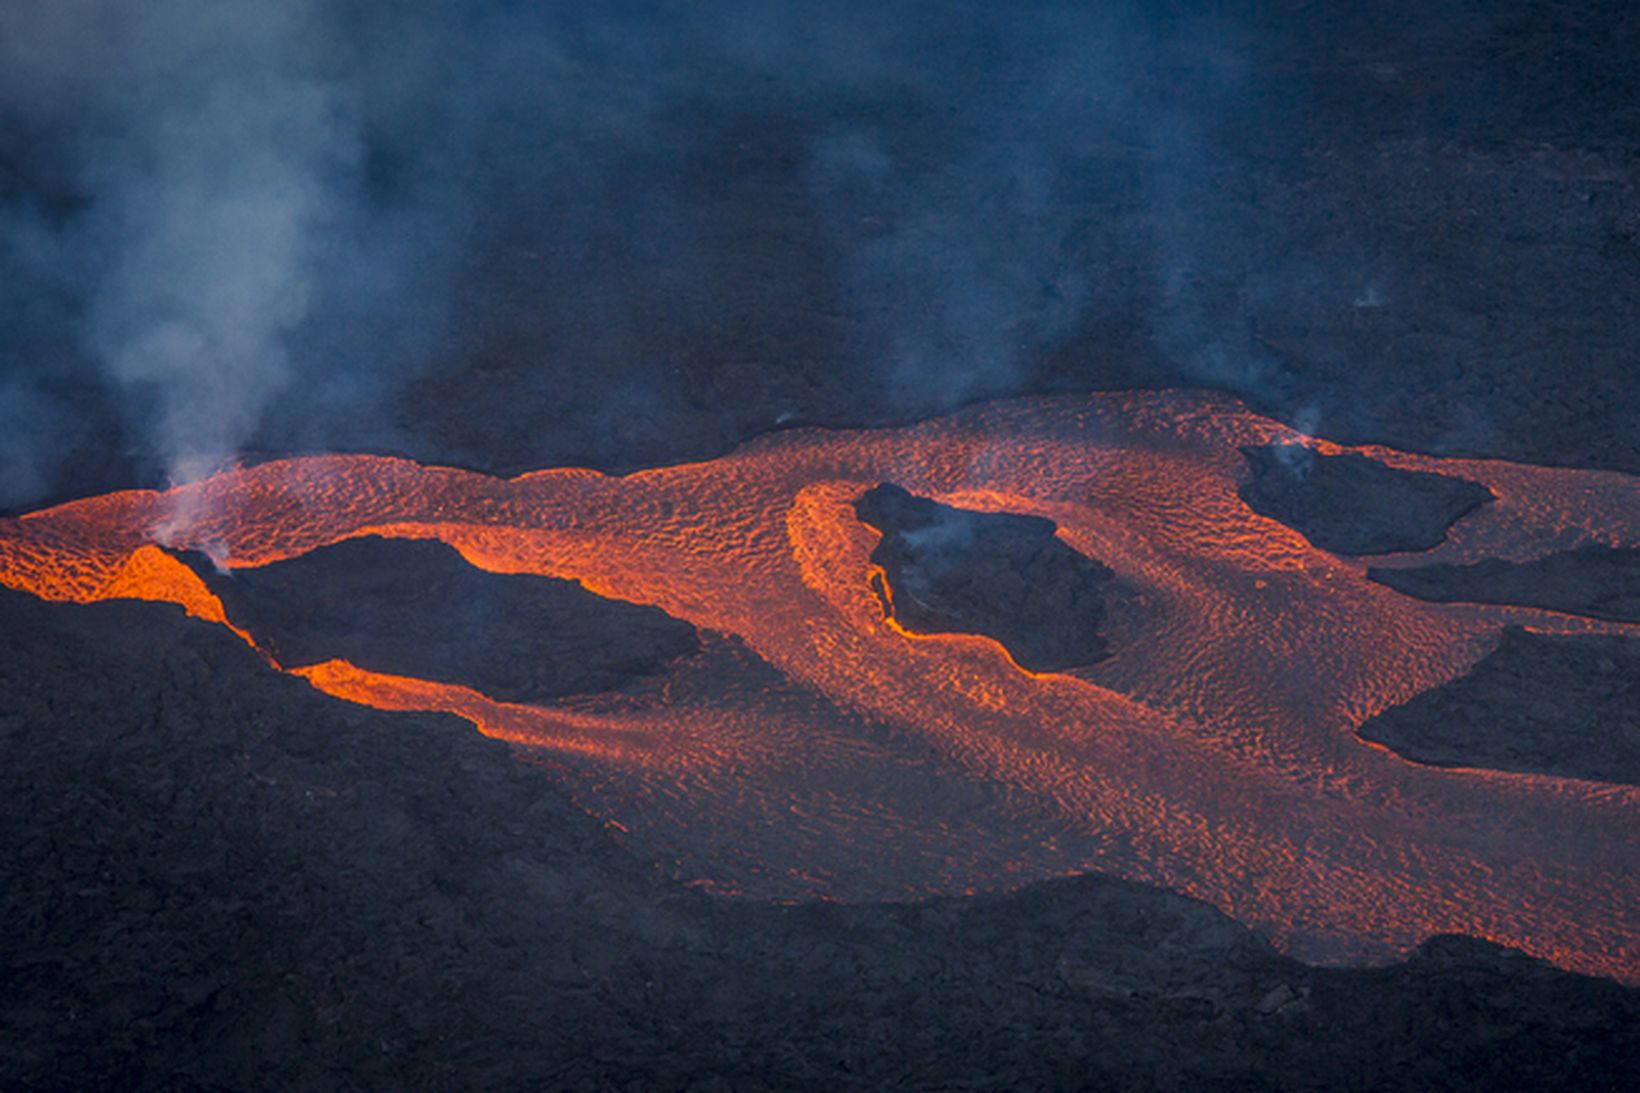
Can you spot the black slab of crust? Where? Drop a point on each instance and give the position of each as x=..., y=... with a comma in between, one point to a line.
x=1541, y=704
x=1599, y=581
x=1350, y=504
x=416, y=608
x=211, y=876
x=950, y=570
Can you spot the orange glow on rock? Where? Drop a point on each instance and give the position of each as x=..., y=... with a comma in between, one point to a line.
x=815, y=749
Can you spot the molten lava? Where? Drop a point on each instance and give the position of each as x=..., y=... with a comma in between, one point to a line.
x=813, y=748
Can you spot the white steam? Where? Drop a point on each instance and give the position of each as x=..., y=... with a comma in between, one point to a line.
x=219, y=155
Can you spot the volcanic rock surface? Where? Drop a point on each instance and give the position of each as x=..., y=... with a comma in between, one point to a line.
x=267, y=888
x=1350, y=504
x=951, y=570
x=1538, y=703
x=416, y=608
x=1599, y=581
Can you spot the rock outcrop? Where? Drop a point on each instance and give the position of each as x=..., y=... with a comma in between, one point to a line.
x=1350, y=504
x=951, y=570
x=416, y=608
x=1599, y=581
x=1539, y=703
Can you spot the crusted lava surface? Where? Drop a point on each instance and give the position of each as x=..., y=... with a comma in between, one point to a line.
x=1350, y=504
x=951, y=570
x=1599, y=581
x=270, y=888
x=1552, y=705
x=416, y=608
x=1180, y=761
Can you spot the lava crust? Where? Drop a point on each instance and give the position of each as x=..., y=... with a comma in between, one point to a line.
x=1350, y=504
x=416, y=608
x=1598, y=581
x=1553, y=705
x=948, y=570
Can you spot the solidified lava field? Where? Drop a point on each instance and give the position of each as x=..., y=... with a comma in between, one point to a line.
x=812, y=747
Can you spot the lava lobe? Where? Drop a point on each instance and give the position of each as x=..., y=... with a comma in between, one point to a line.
x=1350, y=504
x=951, y=570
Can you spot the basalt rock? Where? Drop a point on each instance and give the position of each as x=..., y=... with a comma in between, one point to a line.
x=416, y=608
x=1350, y=504
x=1599, y=581
x=1539, y=703
x=212, y=876
x=951, y=570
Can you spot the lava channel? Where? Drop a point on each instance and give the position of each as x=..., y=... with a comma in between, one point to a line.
x=814, y=749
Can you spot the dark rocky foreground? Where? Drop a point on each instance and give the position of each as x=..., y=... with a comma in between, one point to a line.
x=1599, y=581
x=1539, y=703
x=1350, y=504
x=212, y=876
x=415, y=608
x=952, y=570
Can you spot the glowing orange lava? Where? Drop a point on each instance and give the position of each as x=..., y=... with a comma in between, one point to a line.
x=813, y=748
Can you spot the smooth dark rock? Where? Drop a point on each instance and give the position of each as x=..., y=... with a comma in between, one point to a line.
x=1599, y=581
x=1350, y=504
x=1538, y=703
x=211, y=876
x=950, y=570
x=416, y=608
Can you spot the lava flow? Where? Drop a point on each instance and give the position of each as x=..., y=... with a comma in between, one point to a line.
x=813, y=748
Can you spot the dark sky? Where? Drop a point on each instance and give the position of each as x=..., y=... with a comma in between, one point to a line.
x=509, y=233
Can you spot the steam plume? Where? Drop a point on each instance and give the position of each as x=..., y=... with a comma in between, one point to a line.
x=215, y=154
